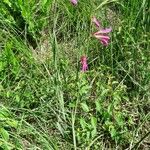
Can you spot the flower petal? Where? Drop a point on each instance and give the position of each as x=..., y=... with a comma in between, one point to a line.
x=107, y=30
x=95, y=21
x=99, y=36
x=84, y=67
x=104, y=41
x=84, y=63
x=74, y=2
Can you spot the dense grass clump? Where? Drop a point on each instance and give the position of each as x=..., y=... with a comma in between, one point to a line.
x=47, y=102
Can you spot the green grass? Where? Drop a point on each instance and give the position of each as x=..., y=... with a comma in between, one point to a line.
x=47, y=103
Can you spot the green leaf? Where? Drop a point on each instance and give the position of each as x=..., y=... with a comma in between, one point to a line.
x=98, y=106
x=44, y=2
x=93, y=122
x=119, y=119
x=104, y=92
x=85, y=107
x=7, y=2
x=60, y=128
x=17, y=98
x=110, y=109
x=4, y=113
x=82, y=123
x=12, y=123
x=94, y=125
x=93, y=133
x=106, y=115
x=1, y=142
x=72, y=105
x=113, y=131
x=4, y=134
x=88, y=135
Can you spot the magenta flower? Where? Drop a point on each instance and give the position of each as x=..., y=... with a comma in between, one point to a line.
x=102, y=34
x=84, y=63
x=96, y=22
x=74, y=2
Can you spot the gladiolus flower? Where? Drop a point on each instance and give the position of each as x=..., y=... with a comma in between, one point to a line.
x=95, y=21
x=74, y=2
x=102, y=34
x=84, y=63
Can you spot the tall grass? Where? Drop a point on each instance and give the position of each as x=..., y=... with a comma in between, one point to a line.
x=47, y=102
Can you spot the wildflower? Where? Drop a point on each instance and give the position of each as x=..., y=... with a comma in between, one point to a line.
x=74, y=2
x=95, y=21
x=84, y=63
x=102, y=36
x=102, y=33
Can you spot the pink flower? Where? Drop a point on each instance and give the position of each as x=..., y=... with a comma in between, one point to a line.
x=102, y=34
x=84, y=63
x=74, y=2
x=95, y=21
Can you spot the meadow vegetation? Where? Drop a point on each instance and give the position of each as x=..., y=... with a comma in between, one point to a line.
x=47, y=102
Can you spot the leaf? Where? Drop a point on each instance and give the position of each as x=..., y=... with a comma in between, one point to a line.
x=46, y=4
x=93, y=133
x=12, y=123
x=98, y=106
x=1, y=142
x=1, y=66
x=72, y=105
x=4, y=134
x=82, y=123
x=114, y=82
x=113, y=131
x=104, y=92
x=43, y=2
x=7, y=2
x=119, y=119
x=8, y=94
x=2, y=116
x=110, y=109
x=94, y=122
x=84, y=89
x=17, y=98
x=60, y=128
x=106, y=115
x=94, y=125
x=4, y=113
x=88, y=135
x=85, y=107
